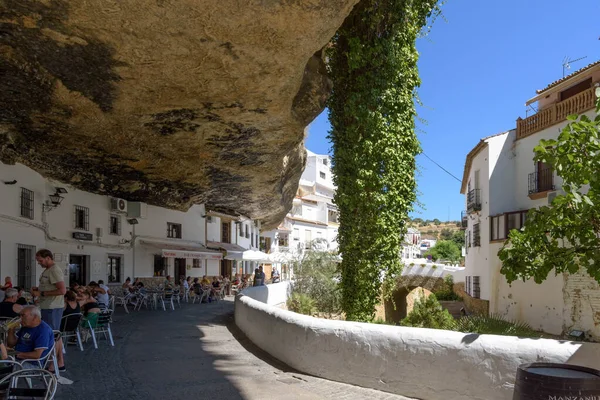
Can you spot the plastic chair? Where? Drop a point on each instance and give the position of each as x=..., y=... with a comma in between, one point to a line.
x=102, y=325
x=69, y=327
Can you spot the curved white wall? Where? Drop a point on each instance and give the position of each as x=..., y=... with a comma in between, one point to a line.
x=427, y=364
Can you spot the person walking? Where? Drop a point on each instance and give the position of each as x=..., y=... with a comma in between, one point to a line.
x=51, y=296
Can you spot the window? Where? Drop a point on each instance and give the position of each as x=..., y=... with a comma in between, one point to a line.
x=283, y=239
x=476, y=236
x=469, y=239
x=196, y=263
x=160, y=265
x=332, y=216
x=241, y=229
x=322, y=175
x=26, y=203
x=247, y=232
x=82, y=218
x=257, y=240
x=225, y=232
x=325, y=161
x=307, y=238
x=476, y=292
x=501, y=225
x=173, y=230
x=251, y=240
x=114, y=269
x=115, y=225
x=468, y=288
x=576, y=89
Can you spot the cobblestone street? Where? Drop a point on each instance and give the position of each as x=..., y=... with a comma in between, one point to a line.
x=194, y=352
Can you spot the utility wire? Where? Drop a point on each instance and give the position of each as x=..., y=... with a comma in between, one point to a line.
x=444, y=169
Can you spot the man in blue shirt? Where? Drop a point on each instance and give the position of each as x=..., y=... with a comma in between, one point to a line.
x=35, y=338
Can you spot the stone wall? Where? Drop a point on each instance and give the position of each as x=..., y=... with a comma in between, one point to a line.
x=581, y=311
x=427, y=364
x=473, y=305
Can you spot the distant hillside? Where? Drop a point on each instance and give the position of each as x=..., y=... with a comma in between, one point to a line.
x=433, y=230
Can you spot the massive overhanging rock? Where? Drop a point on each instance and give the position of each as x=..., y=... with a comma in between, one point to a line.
x=168, y=102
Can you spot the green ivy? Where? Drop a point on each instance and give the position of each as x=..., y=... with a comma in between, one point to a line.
x=373, y=65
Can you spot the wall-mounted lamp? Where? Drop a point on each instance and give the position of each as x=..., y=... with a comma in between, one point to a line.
x=55, y=199
x=132, y=221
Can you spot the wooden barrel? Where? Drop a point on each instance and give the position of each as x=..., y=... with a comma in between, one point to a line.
x=548, y=381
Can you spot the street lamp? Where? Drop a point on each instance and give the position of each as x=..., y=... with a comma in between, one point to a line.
x=55, y=199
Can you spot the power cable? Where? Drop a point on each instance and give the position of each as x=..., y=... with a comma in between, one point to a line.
x=444, y=169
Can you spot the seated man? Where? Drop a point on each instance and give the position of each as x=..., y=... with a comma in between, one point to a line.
x=9, y=307
x=35, y=338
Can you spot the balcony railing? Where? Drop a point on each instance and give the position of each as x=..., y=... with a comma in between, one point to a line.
x=541, y=181
x=474, y=200
x=464, y=217
x=556, y=113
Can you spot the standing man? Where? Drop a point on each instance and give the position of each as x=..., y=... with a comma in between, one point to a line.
x=51, y=294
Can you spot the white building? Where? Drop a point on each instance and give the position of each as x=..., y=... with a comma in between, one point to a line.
x=501, y=183
x=411, y=245
x=313, y=217
x=97, y=237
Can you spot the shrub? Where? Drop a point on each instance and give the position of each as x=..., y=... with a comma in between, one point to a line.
x=317, y=276
x=447, y=291
x=494, y=325
x=301, y=303
x=428, y=313
x=423, y=265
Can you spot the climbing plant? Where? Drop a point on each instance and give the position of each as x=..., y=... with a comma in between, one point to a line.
x=373, y=64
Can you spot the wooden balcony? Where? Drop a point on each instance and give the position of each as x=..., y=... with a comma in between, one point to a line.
x=556, y=113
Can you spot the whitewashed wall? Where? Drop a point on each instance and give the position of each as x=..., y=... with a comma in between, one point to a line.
x=423, y=363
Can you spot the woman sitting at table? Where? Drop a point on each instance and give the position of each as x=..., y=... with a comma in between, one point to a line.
x=89, y=308
x=71, y=304
x=127, y=287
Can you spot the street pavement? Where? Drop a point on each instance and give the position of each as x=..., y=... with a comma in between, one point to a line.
x=195, y=352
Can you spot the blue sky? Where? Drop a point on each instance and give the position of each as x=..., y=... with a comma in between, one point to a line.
x=478, y=68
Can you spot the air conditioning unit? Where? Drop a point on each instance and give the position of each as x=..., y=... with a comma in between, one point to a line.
x=137, y=209
x=118, y=205
x=99, y=232
x=209, y=219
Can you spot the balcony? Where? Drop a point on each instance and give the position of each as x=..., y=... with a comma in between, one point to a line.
x=464, y=217
x=556, y=113
x=540, y=182
x=474, y=200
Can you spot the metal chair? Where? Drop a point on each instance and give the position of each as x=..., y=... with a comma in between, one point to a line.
x=102, y=326
x=39, y=384
x=69, y=327
x=200, y=294
x=122, y=301
x=50, y=357
x=167, y=297
x=7, y=367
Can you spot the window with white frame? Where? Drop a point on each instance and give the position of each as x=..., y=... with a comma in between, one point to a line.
x=173, y=230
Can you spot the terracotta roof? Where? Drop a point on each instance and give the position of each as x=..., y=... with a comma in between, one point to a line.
x=568, y=77
x=469, y=160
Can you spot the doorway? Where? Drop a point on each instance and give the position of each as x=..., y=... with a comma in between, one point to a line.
x=226, y=266
x=25, y=266
x=78, y=269
x=179, y=270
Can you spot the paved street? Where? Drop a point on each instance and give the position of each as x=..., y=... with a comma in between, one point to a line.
x=194, y=352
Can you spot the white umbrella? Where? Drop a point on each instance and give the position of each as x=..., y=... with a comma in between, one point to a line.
x=281, y=257
x=249, y=255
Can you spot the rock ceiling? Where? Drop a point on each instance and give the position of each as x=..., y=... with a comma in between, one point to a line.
x=168, y=102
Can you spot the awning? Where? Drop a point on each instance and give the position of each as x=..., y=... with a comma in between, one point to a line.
x=248, y=255
x=183, y=250
x=231, y=249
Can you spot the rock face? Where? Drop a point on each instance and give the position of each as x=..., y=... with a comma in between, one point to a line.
x=168, y=102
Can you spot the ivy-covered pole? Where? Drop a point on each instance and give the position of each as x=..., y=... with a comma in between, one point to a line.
x=373, y=65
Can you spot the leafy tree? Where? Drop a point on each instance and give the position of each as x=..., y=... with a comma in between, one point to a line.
x=564, y=236
x=316, y=276
x=446, y=234
x=458, y=237
x=437, y=222
x=418, y=221
x=428, y=313
x=373, y=67
x=445, y=250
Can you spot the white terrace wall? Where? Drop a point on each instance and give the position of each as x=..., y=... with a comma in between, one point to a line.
x=424, y=363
